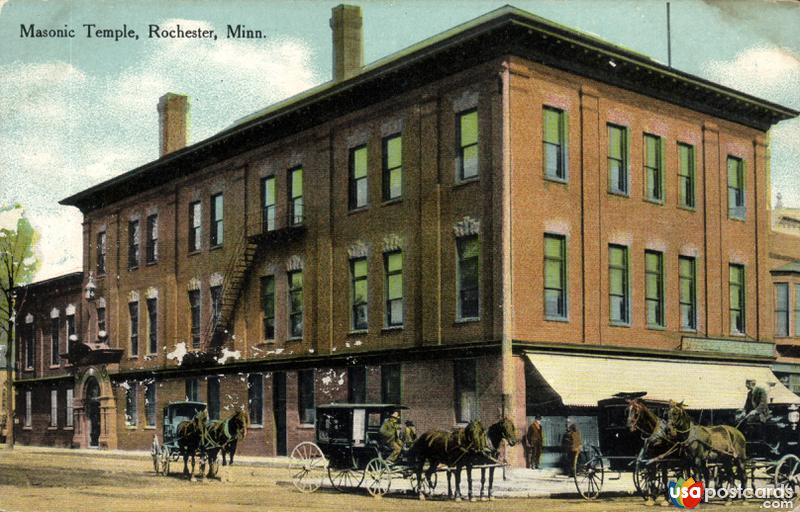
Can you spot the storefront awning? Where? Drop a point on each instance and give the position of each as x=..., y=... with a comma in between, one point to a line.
x=582, y=381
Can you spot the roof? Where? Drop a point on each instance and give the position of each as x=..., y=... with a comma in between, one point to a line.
x=502, y=32
x=362, y=406
x=582, y=381
x=71, y=279
x=789, y=268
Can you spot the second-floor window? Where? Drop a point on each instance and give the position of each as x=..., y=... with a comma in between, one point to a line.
x=654, y=288
x=359, y=189
x=216, y=305
x=736, y=301
x=295, y=279
x=212, y=396
x=131, y=412
x=152, y=326
x=781, y=310
x=296, y=208
x=69, y=420
x=653, y=168
x=217, y=224
x=133, y=310
x=393, y=262
x=54, y=407
x=268, y=306
x=392, y=167
x=688, y=293
x=133, y=244
x=150, y=403
x=152, y=239
x=255, y=398
x=736, y=204
x=554, y=143
x=70, y=331
x=194, y=312
x=29, y=346
x=195, y=223
x=358, y=293
x=55, y=342
x=618, y=159
x=467, y=145
x=268, y=203
x=686, y=175
x=618, y=290
x=101, y=252
x=467, y=277
x=555, y=276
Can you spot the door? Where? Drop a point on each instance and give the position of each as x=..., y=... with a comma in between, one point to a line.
x=279, y=411
x=93, y=411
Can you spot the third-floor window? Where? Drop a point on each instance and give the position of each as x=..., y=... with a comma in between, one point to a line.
x=194, y=315
x=555, y=276
x=736, y=204
x=217, y=223
x=467, y=145
x=686, y=175
x=653, y=168
x=268, y=203
x=358, y=293
x=101, y=252
x=295, y=281
x=296, y=209
x=359, y=189
x=268, y=306
x=195, y=223
x=133, y=244
x=393, y=262
x=554, y=143
x=152, y=239
x=617, y=159
x=133, y=312
x=392, y=167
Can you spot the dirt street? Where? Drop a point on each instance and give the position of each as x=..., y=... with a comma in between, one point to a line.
x=35, y=480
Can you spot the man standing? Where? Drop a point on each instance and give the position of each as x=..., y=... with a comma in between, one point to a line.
x=390, y=436
x=534, y=442
x=572, y=444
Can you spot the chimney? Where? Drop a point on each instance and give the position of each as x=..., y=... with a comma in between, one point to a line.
x=348, y=41
x=173, y=121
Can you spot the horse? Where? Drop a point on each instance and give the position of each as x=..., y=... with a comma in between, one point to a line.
x=503, y=430
x=191, y=438
x=658, y=443
x=454, y=449
x=223, y=436
x=701, y=445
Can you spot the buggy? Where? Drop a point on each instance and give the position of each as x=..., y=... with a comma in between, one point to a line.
x=168, y=452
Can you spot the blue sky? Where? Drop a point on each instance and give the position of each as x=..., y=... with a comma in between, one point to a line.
x=76, y=112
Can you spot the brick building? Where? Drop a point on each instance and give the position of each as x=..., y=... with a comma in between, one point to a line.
x=509, y=218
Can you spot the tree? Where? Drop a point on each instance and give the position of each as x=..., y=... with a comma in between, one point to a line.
x=18, y=264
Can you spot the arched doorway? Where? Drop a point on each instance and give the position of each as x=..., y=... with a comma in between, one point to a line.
x=92, y=407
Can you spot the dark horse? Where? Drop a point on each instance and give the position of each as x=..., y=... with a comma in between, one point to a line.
x=191, y=439
x=701, y=445
x=223, y=436
x=454, y=449
x=658, y=444
x=503, y=430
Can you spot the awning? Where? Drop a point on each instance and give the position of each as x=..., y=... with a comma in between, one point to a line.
x=582, y=381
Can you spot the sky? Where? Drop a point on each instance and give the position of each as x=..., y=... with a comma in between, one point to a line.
x=75, y=112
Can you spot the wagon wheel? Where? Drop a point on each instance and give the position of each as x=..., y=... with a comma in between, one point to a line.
x=378, y=475
x=307, y=463
x=164, y=459
x=425, y=488
x=343, y=479
x=787, y=473
x=648, y=478
x=589, y=475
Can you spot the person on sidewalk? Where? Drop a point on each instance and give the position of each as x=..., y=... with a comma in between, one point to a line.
x=571, y=444
x=534, y=442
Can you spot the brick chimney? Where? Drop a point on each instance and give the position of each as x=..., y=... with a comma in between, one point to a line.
x=348, y=41
x=173, y=122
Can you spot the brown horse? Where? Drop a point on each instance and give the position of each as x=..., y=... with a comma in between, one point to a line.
x=503, y=430
x=224, y=435
x=658, y=443
x=191, y=439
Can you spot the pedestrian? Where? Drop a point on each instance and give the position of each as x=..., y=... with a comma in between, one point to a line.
x=534, y=442
x=575, y=447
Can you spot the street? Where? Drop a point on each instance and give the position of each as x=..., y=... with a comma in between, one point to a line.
x=38, y=479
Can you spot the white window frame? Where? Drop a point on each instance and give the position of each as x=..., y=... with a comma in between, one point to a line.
x=28, y=412
x=54, y=408
x=70, y=411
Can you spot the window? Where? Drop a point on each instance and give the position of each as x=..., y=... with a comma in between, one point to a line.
x=296, y=211
x=554, y=143
x=392, y=167
x=555, y=276
x=195, y=223
x=654, y=288
x=466, y=405
x=53, y=407
x=152, y=326
x=467, y=145
x=70, y=330
x=131, y=414
x=781, y=310
x=295, y=304
x=736, y=206
x=150, y=403
x=133, y=310
x=268, y=202
x=686, y=175
x=216, y=305
x=217, y=226
x=391, y=392
x=797, y=310
x=358, y=294
x=358, y=177
x=467, y=277
x=305, y=396
x=357, y=384
x=653, y=168
x=618, y=159
x=101, y=320
x=192, y=390
x=133, y=244
x=29, y=346
x=255, y=398
x=688, y=293
x=736, y=289
x=55, y=342
x=69, y=420
x=213, y=397
x=194, y=307
x=268, y=306
x=101, y=252
x=393, y=263
x=618, y=291
x=152, y=239
x=28, y=412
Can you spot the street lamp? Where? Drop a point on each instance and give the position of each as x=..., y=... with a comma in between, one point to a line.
x=90, y=288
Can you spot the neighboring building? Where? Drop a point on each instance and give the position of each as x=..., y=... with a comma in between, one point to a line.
x=510, y=218
x=784, y=261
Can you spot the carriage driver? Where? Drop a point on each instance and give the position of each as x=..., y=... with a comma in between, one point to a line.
x=390, y=435
x=757, y=402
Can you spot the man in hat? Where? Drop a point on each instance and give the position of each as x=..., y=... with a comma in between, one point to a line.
x=756, y=410
x=409, y=433
x=390, y=435
x=533, y=440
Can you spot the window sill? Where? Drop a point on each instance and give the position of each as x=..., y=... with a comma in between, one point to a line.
x=619, y=193
x=69, y=428
x=150, y=427
x=131, y=427
x=305, y=426
x=131, y=269
x=562, y=319
x=358, y=331
x=737, y=219
x=353, y=211
x=468, y=320
x=739, y=334
x=215, y=247
x=467, y=181
x=392, y=328
x=657, y=327
x=133, y=357
x=689, y=331
x=55, y=366
x=394, y=200
x=619, y=324
x=195, y=252
x=52, y=428
x=556, y=179
x=27, y=428
x=151, y=263
x=295, y=338
x=100, y=275
x=657, y=202
x=687, y=208
x=255, y=427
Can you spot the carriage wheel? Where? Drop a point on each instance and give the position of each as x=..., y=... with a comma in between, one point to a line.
x=424, y=488
x=589, y=476
x=307, y=464
x=378, y=475
x=787, y=473
x=165, y=460
x=649, y=479
x=157, y=462
x=343, y=479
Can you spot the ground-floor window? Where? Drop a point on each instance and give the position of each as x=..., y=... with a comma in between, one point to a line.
x=131, y=416
x=305, y=396
x=391, y=392
x=255, y=398
x=150, y=403
x=357, y=384
x=213, y=397
x=191, y=390
x=466, y=396
x=53, y=407
x=68, y=420
x=28, y=405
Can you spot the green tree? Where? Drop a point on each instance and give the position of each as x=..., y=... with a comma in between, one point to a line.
x=18, y=264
